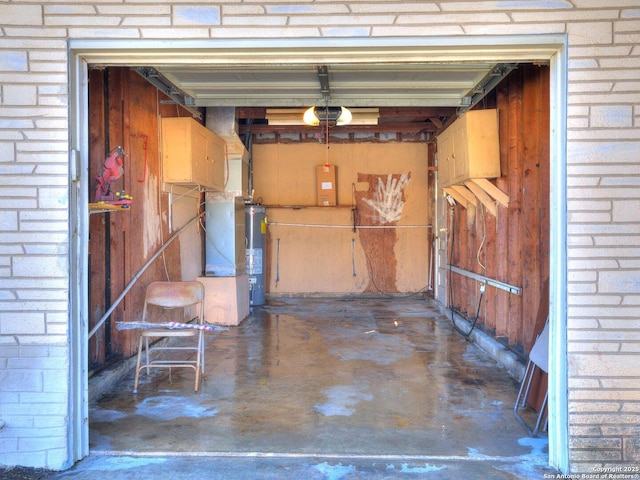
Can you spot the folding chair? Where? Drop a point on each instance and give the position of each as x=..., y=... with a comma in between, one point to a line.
x=538, y=359
x=172, y=295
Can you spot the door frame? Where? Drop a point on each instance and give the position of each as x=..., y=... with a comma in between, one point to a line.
x=512, y=48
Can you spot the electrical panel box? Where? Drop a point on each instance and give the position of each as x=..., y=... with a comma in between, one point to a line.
x=469, y=148
x=326, y=188
x=191, y=153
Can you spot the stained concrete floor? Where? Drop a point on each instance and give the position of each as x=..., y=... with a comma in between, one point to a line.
x=325, y=388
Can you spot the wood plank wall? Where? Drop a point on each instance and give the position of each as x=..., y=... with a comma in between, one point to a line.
x=514, y=247
x=124, y=110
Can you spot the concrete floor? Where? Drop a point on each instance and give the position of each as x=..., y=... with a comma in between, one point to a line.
x=321, y=388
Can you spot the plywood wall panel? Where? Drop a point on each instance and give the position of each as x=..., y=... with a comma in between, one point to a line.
x=321, y=259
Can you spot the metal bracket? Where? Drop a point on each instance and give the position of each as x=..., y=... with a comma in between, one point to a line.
x=489, y=281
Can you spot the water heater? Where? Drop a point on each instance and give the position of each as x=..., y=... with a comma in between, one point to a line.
x=256, y=229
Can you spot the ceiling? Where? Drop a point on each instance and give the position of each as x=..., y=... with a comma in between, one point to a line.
x=411, y=97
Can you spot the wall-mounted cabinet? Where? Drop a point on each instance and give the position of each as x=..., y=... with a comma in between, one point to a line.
x=191, y=153
x=469, y=148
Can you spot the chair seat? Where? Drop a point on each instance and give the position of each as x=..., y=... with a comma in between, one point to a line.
x=169, y=333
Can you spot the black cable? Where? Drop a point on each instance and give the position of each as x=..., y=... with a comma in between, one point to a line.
x=451, y=306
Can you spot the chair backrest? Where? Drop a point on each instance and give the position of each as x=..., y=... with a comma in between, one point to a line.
x=175, y=295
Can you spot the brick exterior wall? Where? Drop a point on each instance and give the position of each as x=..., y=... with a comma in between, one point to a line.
x=603, y=167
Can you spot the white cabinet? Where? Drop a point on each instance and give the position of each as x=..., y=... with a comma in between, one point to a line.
x=191, y=153
x=469, y=148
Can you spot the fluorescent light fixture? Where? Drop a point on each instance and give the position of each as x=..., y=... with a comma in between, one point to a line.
x=316, y=115
x=333, y=115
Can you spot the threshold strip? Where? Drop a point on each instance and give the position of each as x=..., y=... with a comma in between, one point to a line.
x=347, y=456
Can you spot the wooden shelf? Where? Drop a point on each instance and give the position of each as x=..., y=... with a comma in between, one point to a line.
x=106, y=207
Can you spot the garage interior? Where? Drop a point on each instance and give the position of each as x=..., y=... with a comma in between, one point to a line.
x=350, y=319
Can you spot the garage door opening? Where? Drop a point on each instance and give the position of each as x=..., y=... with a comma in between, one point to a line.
x=86, y=56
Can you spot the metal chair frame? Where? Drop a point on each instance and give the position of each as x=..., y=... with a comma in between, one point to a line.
x=538, y=359
x=172, y=295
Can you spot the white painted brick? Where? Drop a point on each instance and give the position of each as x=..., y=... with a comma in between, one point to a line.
x=585, y=300
x=20, y=381
x=515, y=29
x=599, y=217
x=149, y=21
x=582, y=276
x=432, y=19
x=45, y=340
x=20, y=14
x=43, y=398
x=581, y=33
x=436, y=30
x=631, y=300
x=598, y=4
x=43, y=266
x=548, y=15
x=584, y=241
x=13, y=61
x=9, y=445
x=25, y=323
x=196, y=15
x=255, y=32
x=622, y=365
x=601, y=394
x=574, y=122
x=34, y=32
x=345, y=32
x=630, y=347
x=576, y=382
x=626, y=211
x=19, y=95
x=52, y=421
x=619, y=282
x=590, y=205
x=101, y=33
x=628, y=240
x=498, y=5
x=586, y=347
x=582, y=288
x=174, y=33
x=596, y=312
x=272, y=20
x=593, y=87
x=69, y=9
x=611, y=116
x=81, y=20
x=392, y=7
x=8, y=220
x=135, y=10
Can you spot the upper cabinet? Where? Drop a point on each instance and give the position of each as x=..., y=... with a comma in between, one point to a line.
x=191, y=153
x=469, y=148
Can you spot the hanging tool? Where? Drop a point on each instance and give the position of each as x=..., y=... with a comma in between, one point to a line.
x=112, y=169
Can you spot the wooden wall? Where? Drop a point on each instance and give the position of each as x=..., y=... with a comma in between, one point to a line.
x=124, y=110
x=514, y=246
x=348, y=248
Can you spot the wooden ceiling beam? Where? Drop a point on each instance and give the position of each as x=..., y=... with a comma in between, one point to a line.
x=394, y=127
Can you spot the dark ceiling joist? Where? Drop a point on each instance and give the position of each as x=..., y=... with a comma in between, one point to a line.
x=423, y=113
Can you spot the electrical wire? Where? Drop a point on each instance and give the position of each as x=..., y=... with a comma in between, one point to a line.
x=451, y=302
